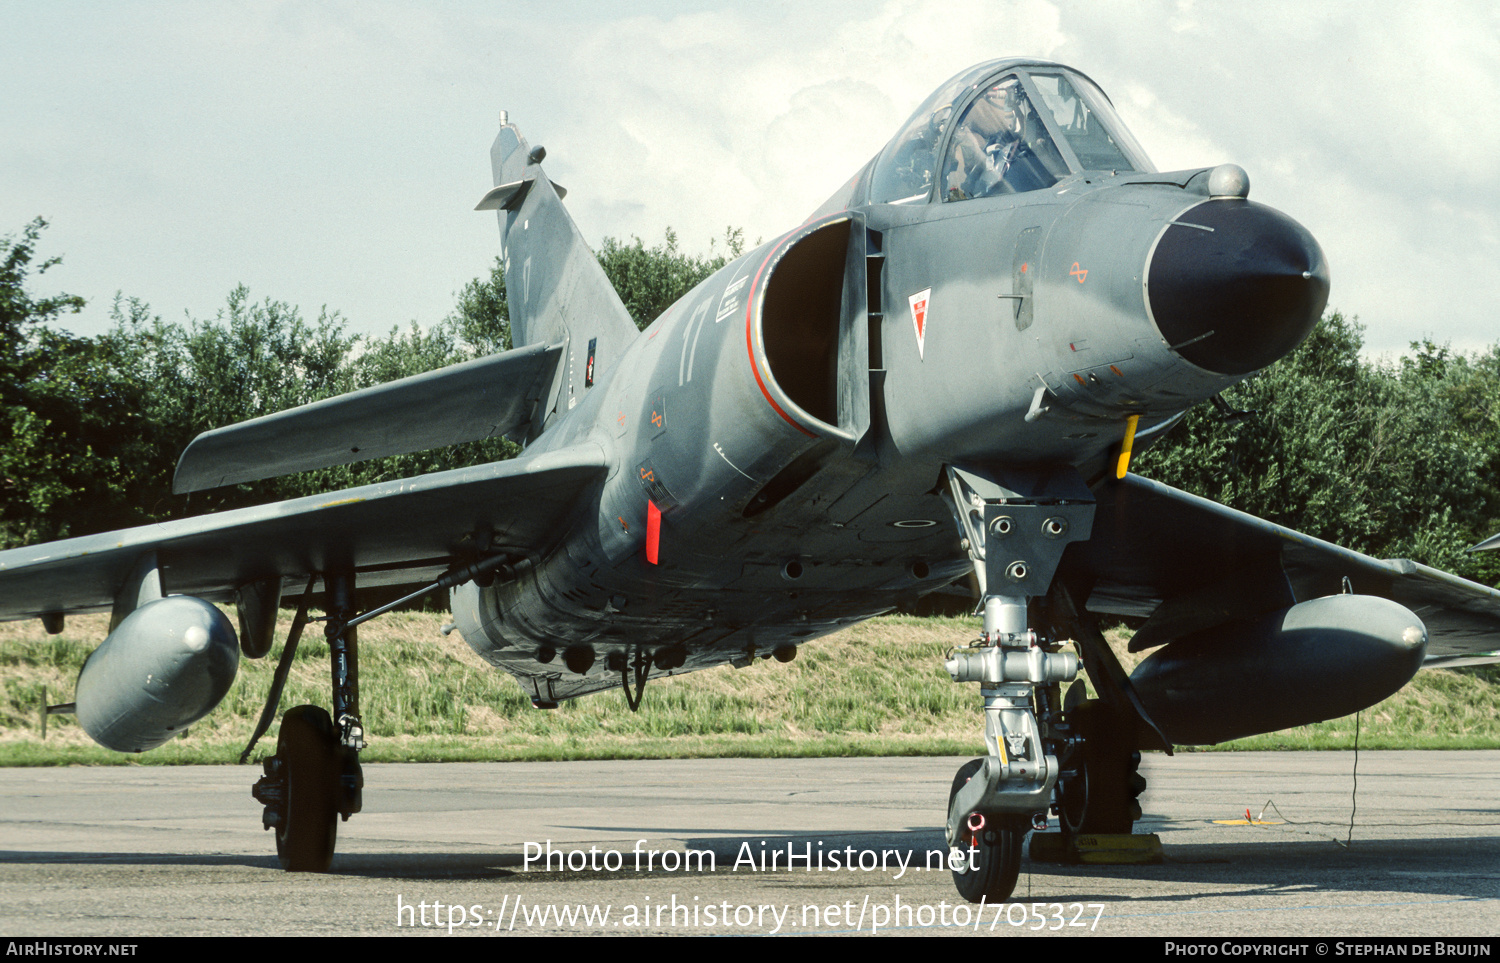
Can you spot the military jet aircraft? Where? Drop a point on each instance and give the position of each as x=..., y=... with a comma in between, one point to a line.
x=944, y=371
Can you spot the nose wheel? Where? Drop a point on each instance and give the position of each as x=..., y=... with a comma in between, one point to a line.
x=990, y=846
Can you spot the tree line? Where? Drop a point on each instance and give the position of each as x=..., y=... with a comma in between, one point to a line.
x=91, y=427
x=1394, y=458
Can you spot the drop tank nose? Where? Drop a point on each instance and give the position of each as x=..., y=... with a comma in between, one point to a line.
x=1233, y=285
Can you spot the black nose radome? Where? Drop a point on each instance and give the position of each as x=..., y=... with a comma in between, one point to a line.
x=1233, y=285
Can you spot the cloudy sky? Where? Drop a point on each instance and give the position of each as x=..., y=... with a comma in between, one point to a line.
x=331, y=153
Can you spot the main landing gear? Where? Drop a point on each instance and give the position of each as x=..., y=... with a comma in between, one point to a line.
x=1097, y=790
x=1015, y=526
x=301, y=790
x=314, y=779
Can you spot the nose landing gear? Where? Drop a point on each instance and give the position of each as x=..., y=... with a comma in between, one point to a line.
x=986, y=858
x=1015, y=527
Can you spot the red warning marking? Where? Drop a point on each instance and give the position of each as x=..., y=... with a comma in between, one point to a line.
x=1117, y=371
x=647, y=475
x=1079, y=379
x=653, y=531
x=1078, y=272
x=656, y=418
x=918, y=304
x=1024, y=267
x=621, y=419
x=623, y=524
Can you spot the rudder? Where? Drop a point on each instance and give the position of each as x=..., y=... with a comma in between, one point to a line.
x=555, y=289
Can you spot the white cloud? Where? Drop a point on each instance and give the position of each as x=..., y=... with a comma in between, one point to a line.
x=708, y=120
x=329, y=153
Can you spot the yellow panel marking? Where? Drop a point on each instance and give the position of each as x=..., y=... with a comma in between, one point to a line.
x=1246, y=822
x=1123, y=465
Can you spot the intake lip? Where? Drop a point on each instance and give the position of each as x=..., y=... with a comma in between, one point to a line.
x=1233, y=285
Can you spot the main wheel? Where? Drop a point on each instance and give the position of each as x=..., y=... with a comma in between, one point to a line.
x=309, y=825
x=992, y=856
x=1096, y=794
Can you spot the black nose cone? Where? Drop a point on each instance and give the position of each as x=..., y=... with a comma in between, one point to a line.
x=1234, y=285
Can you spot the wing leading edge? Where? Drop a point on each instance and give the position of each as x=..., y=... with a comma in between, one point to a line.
x=392, y=533
x=485, y=398
x=1192, y=564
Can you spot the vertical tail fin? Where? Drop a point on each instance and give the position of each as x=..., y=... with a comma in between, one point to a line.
x=555, y=289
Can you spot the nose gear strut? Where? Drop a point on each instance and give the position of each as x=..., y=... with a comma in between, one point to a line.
x=1015, y=526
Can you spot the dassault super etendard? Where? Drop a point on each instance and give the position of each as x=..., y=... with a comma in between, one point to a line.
x=941, y=374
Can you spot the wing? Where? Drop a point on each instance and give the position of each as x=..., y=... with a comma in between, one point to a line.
x=392, y=533
x=1191, y=564
x=492, y=396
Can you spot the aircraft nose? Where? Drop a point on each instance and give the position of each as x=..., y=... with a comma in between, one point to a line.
x=1233, y=285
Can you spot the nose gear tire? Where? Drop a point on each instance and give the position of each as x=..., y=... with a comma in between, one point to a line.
x=996, y=850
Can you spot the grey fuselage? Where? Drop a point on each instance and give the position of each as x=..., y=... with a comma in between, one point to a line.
x=792, y=428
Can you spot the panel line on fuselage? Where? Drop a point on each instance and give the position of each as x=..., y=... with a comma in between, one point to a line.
x=690, y=342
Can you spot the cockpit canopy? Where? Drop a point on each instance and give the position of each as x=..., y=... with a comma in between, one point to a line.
x=1004, y=127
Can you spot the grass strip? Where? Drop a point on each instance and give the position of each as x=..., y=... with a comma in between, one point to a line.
x=878, y=688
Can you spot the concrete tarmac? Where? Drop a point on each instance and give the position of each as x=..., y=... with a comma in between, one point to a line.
x=166, y=851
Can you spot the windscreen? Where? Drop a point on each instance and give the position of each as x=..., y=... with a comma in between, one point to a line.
x=1001, y=146
x=909, y=163
x=1082, y=117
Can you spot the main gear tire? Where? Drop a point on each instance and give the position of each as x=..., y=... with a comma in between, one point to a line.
x=308, y=828
x=1097, y=789
x=991, y=861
